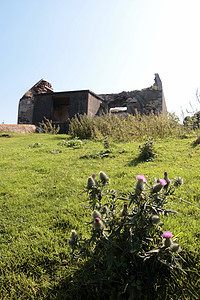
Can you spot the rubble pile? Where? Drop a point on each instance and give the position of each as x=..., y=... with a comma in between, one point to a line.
x=41, y=87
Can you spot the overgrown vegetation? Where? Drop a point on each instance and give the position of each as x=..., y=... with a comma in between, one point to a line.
x=126, y=128
x=128, y=255
x=47, y=126
x=147, y=150
x=41, y=193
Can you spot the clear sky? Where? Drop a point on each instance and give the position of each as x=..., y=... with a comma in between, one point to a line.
x=106, y=46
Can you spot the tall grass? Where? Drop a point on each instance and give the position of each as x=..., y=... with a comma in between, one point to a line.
x=126, y=128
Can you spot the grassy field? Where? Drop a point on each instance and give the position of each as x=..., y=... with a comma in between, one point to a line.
x=42, y=186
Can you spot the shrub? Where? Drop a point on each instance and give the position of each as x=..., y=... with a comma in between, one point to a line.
x=126, y=128
x=147, y=152
x=82, y=126
x=128, y=256
x=47, y=127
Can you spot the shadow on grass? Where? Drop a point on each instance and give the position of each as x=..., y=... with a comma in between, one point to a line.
x=175, y=283
x=134, y=162
x=5, y=135
x=59, y=137
x=73, y=288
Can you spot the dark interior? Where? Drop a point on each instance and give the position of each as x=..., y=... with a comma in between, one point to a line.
x=61, y=108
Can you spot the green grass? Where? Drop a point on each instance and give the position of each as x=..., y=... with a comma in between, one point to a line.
x=40, y=195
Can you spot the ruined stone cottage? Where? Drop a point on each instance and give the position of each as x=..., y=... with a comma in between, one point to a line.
x=41, y=101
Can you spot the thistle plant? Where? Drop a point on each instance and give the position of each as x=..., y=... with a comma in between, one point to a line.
x=94, y=188
x=147, y=151
x=127, y=244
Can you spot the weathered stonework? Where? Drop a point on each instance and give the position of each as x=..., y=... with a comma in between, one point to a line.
x=40, y=101
x=22, y=128
x=143, y=101
x=27, y=102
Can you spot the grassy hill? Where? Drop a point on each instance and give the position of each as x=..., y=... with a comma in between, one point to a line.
x=42, y=186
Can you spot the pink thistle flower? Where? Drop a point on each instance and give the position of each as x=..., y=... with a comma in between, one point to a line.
x=140, y=184
x=141, y=177
x=98, y=225
x=167, y=235
x=163, y=182
x=93, y=176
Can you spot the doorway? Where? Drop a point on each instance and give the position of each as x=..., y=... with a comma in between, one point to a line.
x=61, y=106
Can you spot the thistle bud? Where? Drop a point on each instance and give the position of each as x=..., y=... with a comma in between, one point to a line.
x=155, y=219
x=74, y=234
x=73, y=239
x=167, y=180
x=97, y=205
x=94, y=177
x=90, y=183
x=158, y=186
x=178, y=181
x=96, y=214
x=103, y=177
x=98, y=224
x=175, y=247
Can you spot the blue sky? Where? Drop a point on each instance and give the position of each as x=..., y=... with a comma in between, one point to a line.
x=106, y=46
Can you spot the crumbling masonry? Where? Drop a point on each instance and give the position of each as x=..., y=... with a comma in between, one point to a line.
x=41, y=101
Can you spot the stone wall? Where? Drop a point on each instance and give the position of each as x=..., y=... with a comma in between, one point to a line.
x=143, y=101
x=24, y=128
x=27, y=103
